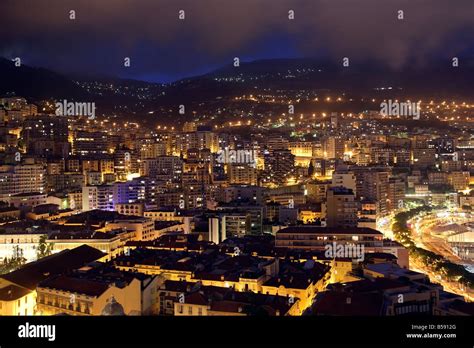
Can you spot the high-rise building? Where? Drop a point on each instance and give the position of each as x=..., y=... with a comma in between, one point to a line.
x=396, y=194
x=22, y=178
x=169, y=168
x=424, y=157
x=341, y=207
x=98, y=197
x=46, y=135
x=333, y=147
x=372, y=185
x=228, y=225
x=459, y=180
x=92, y=143
x=279, y=167
x=242, y=174
x=201, y=139
x=344, y=178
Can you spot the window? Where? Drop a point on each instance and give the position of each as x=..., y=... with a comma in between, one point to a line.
x=200, y=311
x=190, y=310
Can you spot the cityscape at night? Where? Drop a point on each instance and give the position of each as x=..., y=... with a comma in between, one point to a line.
x=248, y=158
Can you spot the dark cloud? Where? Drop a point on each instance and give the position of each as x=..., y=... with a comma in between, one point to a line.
x=161, y=46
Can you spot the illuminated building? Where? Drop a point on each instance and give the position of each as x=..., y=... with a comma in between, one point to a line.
x=228, y=224
x=401, y=157
x=317, y=190
x=163, y=167
x=74, y=199
x=341, y=208
x=437, y=178
x=395, y=194
x=21, y=178
x=99, y=197
x=201, y=139
x=27, y=241
x=241, y=174
x=142, y=228
x=149, y=148
x=18, y=288
x=384, y=296
x=16, y=300
x=296, y=280
x=241, y=193
x=125, y=163
x=467, y=200
x=303, y=152
x=170, y=216
x=381, y=155
x=50, y=212
x=309, y=214
x=90, y=291
x=93, y=178
x=8, y=214
x=345, y=179
x=136, y=209
x=450, y=166
x=252, y=211
x=279, y=167
x=46, y=135
x=212, y=301
x=333, y=147
x=373, y=185
x=110, y=243
x=27, y=199
x=91, y=143
x=367, y=215
x=313, y=238
x=423, y=157
x=276, y=143
x=459, y=180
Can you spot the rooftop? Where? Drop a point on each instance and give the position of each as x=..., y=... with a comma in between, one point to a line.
x=12, y=292
x=329, y=230
x=344, y=304
x=32, y=273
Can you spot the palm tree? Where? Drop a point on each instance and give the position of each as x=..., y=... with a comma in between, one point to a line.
x=43, y=249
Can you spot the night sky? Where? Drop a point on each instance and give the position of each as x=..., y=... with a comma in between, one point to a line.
x=163, y=48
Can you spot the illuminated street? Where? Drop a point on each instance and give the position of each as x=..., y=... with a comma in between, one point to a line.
x=421, y=233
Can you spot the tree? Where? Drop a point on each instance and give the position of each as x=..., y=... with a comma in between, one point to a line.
x=5, y=266
x=43, y=249
x=311, y=169
x=430, y=259
x=13, y=263
x=18, y=258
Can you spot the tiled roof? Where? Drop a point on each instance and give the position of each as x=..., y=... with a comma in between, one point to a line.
x=32, y=273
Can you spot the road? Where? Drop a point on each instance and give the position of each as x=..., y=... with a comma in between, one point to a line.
x=422, y=237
